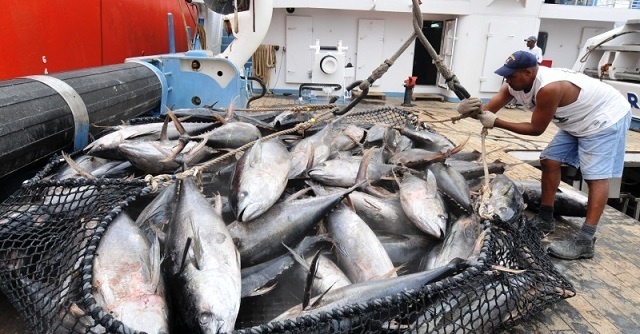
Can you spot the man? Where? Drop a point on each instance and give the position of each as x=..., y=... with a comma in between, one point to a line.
x=593, y=119
x=536, y=51
x=533, y=48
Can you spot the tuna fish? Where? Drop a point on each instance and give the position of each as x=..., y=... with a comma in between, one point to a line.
x=259, y=179
x=230, y=135
x=328, y=276
x=423, y=204
x=261, y=239
x=343, y=172
x=453, y=185
x=504, y=203
x=311, y=151
x=406, y=251
x=428, y=140
x=255, y=279
x=107, y=146
x=203, y=265
x=464, y=240
x=155, y=157
x=359, y=293
x=157, y=214
x=383, y=214
x=568, y=202
x=127, y=280
x=359, y=252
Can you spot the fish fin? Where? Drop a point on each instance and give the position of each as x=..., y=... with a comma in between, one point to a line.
x=395, y=270
x=219, y=118
x=297, y=257
x=362, y=177
x=218, y=204
x=372, y=205
x=262, y=291
x=317, y=301
x=155, y=260
x=297, y=194
x=310, y=277
x=163, y=132
x=194, y=151
x=255, y=154
x=176, y=122
x=185, y=252
x=232, y=108
x=310, y=161
x=197, y=245
x=76, y=167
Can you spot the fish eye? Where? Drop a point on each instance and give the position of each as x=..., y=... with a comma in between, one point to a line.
x=205, y=318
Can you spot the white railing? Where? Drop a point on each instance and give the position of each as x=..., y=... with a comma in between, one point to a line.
x=630, y=4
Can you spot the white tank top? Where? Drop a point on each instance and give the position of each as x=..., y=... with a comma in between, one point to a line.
x=598, y=105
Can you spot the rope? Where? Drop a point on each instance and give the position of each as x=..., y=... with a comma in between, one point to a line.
x=308, y=107
x=184, y=22
x=264, y=59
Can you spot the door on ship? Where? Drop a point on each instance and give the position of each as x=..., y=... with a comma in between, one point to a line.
x=423, y=66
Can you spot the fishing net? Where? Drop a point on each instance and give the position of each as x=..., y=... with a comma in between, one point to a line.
x=513, y=280
x=50, y=230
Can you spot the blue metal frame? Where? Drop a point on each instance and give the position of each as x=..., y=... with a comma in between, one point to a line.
x=196, y=79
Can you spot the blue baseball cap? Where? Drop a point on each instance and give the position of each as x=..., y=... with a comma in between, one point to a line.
x=517, y=61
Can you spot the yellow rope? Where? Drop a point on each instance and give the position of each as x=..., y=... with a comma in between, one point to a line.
x=264, y=59
x=184, y=22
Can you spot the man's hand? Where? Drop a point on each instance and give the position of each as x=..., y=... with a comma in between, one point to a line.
x=487, y=119
x=469, y=105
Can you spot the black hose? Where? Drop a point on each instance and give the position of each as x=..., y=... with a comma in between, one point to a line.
x=255, y=97
x=355, y=101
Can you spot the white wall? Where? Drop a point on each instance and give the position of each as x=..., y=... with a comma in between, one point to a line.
x=473, y=62
x=564, y=39
x=329, y=26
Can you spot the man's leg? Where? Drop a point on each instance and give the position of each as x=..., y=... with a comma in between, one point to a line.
x=544, y=220
x=550, y=180
x=582, y=246
x=598, y=196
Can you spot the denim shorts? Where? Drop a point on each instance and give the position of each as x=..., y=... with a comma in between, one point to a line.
x=599, y=156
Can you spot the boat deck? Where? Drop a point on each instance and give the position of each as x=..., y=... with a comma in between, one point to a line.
x=608, y=286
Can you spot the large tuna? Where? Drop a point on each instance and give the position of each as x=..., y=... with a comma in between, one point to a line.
x=259, y=179
x=203, y=265
x=127, y=280
x=423, y=204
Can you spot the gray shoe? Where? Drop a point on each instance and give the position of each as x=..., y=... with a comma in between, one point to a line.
x=572, y=249
x=542, y=225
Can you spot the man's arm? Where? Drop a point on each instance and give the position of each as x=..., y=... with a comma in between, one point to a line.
x=547, y=100
x=499, y=100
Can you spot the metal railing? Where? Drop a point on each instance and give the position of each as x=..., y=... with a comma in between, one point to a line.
x=630, y=4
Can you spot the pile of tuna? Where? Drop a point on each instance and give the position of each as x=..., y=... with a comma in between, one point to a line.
x=294, y=226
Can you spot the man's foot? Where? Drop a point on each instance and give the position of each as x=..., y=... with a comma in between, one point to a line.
x=510, y=106
x=542, y=225
x=572, y=249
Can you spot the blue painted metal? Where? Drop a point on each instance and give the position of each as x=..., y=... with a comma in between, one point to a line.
x=197, y=79
x=172, y=34
x=81, y=138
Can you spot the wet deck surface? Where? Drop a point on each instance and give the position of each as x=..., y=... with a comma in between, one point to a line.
x=608, y=286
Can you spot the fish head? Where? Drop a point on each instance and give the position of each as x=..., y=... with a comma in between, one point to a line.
x=249, y=209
